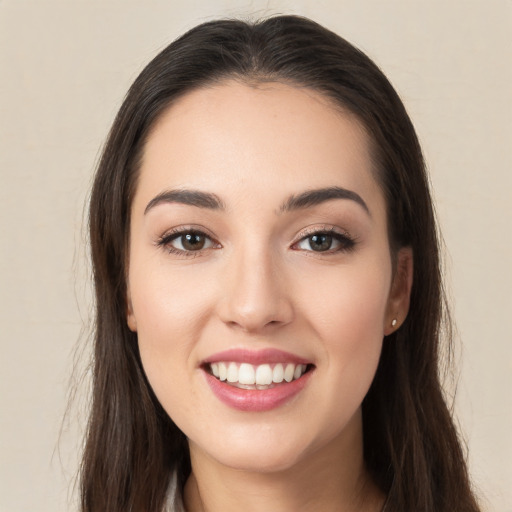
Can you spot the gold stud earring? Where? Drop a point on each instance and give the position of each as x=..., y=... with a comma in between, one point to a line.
x=393, y=322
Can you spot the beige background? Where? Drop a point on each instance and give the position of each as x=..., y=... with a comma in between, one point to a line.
x=64, y=68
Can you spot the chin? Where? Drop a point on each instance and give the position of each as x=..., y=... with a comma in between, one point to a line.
x=260, y=461
x=261, y=451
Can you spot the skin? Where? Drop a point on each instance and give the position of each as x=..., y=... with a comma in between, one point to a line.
x=258, y=283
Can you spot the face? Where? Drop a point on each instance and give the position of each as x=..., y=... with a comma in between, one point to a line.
x=260, y=278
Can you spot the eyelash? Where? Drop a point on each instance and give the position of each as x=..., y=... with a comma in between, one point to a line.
x=346, y=242
x=165, y=241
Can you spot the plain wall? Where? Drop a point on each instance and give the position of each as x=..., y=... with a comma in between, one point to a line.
x=64, y=68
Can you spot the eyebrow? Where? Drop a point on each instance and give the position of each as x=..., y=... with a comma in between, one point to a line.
x=295, y=202
x=190, y=197
x=314, y=197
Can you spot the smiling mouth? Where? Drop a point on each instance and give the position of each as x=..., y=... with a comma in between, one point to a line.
x=260, y=377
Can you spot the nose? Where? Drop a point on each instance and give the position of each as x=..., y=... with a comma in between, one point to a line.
x=255, y=293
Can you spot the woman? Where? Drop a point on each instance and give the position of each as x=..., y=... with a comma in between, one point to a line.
x=268, y=290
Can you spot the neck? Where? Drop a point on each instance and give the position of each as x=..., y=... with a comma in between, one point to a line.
x=332, y=478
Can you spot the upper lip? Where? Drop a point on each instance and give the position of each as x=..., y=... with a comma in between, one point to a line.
x=256, y=357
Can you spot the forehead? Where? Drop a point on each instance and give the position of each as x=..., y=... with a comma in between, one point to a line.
x=256, y=142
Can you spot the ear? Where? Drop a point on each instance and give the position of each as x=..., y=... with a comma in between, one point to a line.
x=130, y=316
x=400, y=292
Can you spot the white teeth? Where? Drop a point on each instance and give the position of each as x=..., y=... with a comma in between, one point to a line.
x=263, y=375
x=232, y=372
x=246, y=374
x=278, y=373
x=288, y=372
x=223, y=371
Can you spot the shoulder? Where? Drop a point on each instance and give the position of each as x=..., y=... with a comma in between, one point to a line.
x=174, y=502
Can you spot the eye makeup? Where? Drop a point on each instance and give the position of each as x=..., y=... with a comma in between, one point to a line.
x=190, y=242
x=322, y=240
x=187, y=242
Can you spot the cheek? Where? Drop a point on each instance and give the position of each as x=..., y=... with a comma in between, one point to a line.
x=168, y=304
x=346, y=310
x=347, y=305
x=169, y=310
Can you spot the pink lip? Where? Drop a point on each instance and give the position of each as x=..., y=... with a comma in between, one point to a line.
x=255, y=400
x=267, y=356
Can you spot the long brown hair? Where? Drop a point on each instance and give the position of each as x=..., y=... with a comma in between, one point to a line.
x=411, y=446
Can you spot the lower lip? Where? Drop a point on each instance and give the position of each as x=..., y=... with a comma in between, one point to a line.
x=255, y=400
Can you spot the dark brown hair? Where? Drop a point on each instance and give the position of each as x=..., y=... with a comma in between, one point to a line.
x=410, y=444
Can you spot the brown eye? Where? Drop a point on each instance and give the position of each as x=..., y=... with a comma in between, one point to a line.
x=320, y=242
x=184, y=242
x=326, y=242
x=192, y=241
